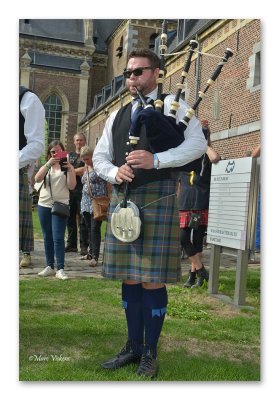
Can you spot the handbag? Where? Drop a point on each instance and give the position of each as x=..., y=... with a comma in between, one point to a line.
x=100, y=204
x=60, y=209
x=100, y=207
x=194, y=221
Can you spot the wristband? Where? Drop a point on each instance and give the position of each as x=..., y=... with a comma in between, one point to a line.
x=156, y=161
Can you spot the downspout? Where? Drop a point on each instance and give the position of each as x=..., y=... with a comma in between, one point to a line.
x=198, y=74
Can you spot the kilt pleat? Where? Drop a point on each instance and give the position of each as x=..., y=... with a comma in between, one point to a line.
x=155, y=255
x=26, y=238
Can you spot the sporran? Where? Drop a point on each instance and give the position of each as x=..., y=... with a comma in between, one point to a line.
x=126, y=223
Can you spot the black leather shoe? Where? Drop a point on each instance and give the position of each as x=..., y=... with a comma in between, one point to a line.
x=69, y=249
x=148, y=365
x=191, y=280
x=125, y=357
x=83, y=251
x=203, y=275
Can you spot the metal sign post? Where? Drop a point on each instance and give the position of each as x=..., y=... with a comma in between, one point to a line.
x=232, y=206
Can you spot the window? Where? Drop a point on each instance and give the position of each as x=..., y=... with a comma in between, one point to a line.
x=106, y=92
x=254, y=80
x=117, y=84
x=152, y=41
x=185, y=27
x=119, y=50
x=53, y=108
x=97, y=100
x=257, y=74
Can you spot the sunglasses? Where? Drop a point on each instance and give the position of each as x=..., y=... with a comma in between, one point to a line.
x=136, y=72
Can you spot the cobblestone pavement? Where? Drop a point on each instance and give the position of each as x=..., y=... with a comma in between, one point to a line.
x=76, y=268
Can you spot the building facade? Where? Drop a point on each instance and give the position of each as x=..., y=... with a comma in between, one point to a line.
x=77, y=69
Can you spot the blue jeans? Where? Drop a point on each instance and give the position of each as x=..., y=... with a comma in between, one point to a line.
x=53, y=228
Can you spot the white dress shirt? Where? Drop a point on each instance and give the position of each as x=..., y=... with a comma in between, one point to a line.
x=34, y=129
x=193, y=147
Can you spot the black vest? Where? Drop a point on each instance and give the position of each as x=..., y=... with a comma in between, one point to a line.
x=120, y=134
x=22, y=139
x=195, y=196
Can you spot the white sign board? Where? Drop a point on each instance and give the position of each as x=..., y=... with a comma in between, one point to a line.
x=228, y=203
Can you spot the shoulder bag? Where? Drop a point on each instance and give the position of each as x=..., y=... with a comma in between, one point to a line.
x=60, y=209
x=100, y=204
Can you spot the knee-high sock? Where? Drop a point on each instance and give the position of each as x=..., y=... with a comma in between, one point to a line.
x=154, y=309
x=132, y=303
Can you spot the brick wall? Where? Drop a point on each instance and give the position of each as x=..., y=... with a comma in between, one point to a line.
x=237, y=146
x=238, y=105
x=69, y=86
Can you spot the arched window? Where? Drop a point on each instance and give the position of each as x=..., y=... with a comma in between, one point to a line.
x=53, y=108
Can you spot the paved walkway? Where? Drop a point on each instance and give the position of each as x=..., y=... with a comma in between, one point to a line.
x=76, y=268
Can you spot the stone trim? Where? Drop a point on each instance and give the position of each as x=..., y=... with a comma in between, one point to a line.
x=237, y=131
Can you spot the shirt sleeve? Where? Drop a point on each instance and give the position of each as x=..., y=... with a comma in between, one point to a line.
x=34, y=129
x=194, y=145
x=103, y=154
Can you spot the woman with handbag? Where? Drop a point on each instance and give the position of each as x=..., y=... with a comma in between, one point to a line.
x=94, y=187
x=57, y=177
x=193, y=202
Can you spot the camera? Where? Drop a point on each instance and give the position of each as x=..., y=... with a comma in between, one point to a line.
x=63, y=158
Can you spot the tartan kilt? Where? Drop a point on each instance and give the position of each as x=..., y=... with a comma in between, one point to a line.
x=155, y=255
x=26, y=238
x=185, y=217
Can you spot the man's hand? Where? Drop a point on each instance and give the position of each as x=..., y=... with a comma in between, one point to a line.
x=124, y=174
x=140, y=159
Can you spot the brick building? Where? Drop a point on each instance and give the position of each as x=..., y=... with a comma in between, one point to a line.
x=75, y=66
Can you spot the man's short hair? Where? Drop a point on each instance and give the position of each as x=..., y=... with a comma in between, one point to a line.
x=80, y=134
x=146, y=53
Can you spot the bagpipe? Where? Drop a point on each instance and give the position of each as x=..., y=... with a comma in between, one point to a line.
x=163, y=133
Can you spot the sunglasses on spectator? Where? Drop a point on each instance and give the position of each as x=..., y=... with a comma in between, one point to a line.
x=137, y=71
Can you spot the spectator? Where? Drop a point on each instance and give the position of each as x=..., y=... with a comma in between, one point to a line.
x=56, y=186
x=193, y=201
x=31, y=146
x=98, y=188
x=75, y=198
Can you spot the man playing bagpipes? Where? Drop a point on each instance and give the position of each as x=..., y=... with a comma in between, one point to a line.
x=144, y=180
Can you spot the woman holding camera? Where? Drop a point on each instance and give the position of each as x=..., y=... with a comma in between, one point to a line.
x=57, y=177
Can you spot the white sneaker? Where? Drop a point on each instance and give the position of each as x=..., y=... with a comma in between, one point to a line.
x=60, y=274
x=48, y=271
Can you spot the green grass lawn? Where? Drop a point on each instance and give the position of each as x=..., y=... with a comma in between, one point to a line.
x=67, y=328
